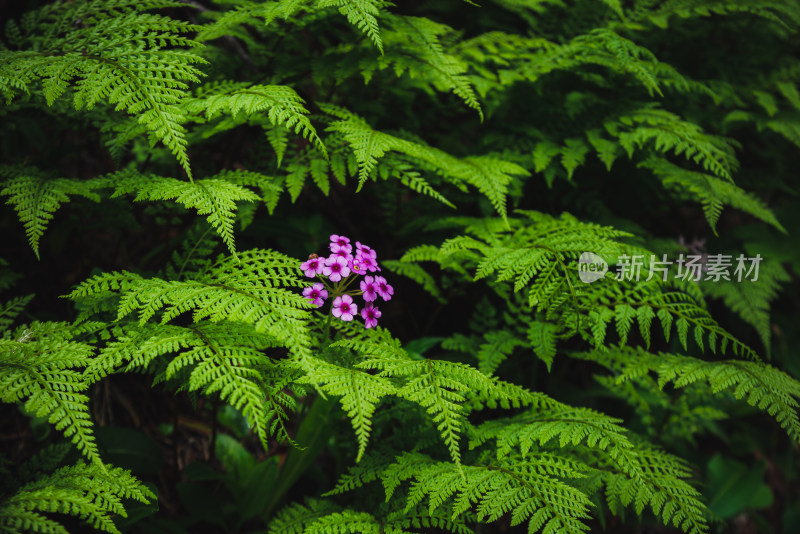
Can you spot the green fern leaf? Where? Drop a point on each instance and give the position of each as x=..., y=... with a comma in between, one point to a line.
x=90, y=493
x=253, y=288
x=668, y=132
x=757, y=383
x=35, y=199
x=213, y=197
x=118, y=53
x=362, y=14
x=531, y=490
x=11, y=309
x=39, y=366
x=712, y=192
x=360, y=393
x=283, y=106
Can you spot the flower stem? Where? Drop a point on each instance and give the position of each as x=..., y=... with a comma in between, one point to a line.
x=327, y=329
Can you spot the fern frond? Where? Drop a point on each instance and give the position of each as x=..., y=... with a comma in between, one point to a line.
x=490, y=175
x=11, y=309
x=414, y=181
x=669, y=133
x=414, y=44
x=44, y=461
x=645, y=301
x=497, y=347
x=283, y=106
x=212, y=358
x=120, y=54
x=537, y=247
x=363, y=14
x=253, y=288
x=360, y=393
x=40, y=368
x=751, y=301
x=416, y=273
x=779, y=11
x=542, y=337
x=322, y=517
x=712, y=192
x=347, y=522
x=90, y=493
x=270, y=187
x=757, y=383
x=531, y=490
x=245, y=12
x=195, y=253
x=294, y=518
x=213, y=197
x=530, y=58
x=634, y=474
x=566, y=425
x=662, y=486
x=540, y=251
x=35, y=199
x=442, y=388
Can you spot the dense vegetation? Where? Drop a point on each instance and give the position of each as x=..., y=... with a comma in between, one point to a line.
x=332, y=266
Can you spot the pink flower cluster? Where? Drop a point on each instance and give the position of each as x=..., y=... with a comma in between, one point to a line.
x=341, y=269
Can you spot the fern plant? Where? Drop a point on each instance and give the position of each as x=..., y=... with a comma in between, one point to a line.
x=486, y=154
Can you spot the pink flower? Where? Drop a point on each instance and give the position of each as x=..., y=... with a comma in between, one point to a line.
x=316, y=294
x=340, y=242
x=357, y=267
x=343, y=253
x=369, y=288
x=313, y=266
x=366, y=251
x=335, y=268
x=367, y=262
x=370, y=314
x=344, y=307
x=383, y=288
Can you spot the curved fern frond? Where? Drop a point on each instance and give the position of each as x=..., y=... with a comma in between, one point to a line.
x=360, y=393
x=253, y=288
x=292, y=519
x=119, y=53
x=35, y=199
x=634, y=473
x=363, y=14
x=283, y=106
x=779, y=11
x=213, y=197
x=414, y=44
x=442, y=388
x=227, y=360
x=244, y=12
x=712, y=192
x=490, y=175
x=757, y=383
x=531, y=490
x=90, y=493
x=670, y=133
x=624, y=304
x=541, y=252
x=11, y=309
x=40, y=368
x=751, y=301
x=322, y=517
x=537, y=248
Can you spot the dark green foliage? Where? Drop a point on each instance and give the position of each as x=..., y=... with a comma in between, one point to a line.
x=485, y=152
x=91, y=493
